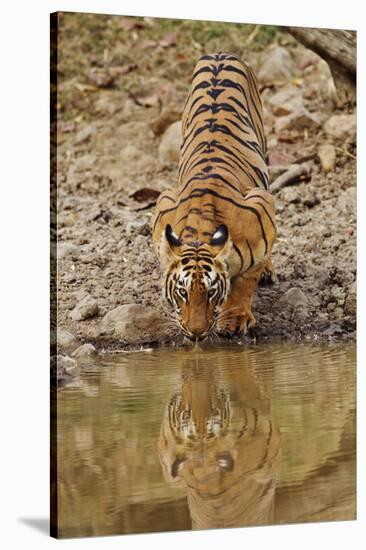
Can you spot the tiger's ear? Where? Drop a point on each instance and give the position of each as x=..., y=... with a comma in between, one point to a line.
x=169, y=245
x=226, y=252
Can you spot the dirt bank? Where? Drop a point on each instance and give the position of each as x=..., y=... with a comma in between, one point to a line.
x=122, y=82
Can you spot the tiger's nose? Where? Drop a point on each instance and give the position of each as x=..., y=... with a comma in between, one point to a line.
x=197, y=334
x=195, y=338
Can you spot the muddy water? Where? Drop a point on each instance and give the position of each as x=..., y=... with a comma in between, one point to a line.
x=219, y=437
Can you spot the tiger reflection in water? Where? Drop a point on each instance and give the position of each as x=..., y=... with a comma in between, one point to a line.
x=218, y=440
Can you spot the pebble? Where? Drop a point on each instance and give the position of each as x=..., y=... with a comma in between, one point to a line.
x=341, y=127
x=276, y=66
x=169, y=148
x=85, y=309
x=63, y=368
x=70, y=278
x=85, y=350
x=65, y=339
x=107, y=105
x=68, y=249
x=295, y=297
x=299, y=120
x=347, y=201
x=286, y=101
x=135, y=226
x=290, y=195
x=350, y=306
x=85, y=134
x=327, y=157
x=296, y=302
x=132, y=322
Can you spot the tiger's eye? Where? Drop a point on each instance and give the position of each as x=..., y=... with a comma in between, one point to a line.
x=183, y=292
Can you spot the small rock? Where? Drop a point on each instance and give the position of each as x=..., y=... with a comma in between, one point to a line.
x=137, y=226
x=280, y=157
x=129, y=108
x=272, y=143
x=65, y=339
x=106, y=104
x=338, y=313
x=286, y=101
x=70, y=278
x=276, y=66
x=350, y=305
x=290, y=195
x=311, y=199
x=296, y=302
x=67, y=249
x=169, y=148
x=347, y=201
x=300, y=120
x=295, y=297
x=95, y=213
x=327, y=157
x=130, y=152
x=341, y=127
x=63, y=368
x=132, y=322
x=81, y=164
x=85, y=350
x=85, y=309
x=268, y=120
x=101, y=77
x=85, y=134
x=164, y=120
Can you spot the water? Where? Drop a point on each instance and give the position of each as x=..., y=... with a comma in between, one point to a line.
x=220, y=437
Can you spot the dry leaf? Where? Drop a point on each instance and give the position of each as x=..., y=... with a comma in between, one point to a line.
x=145, y=194
x=130, y=23
x=169, y=39
x=181, y=57
x=146, y=44
x=146, y=100
x=280, y=158
x=85, y=87
x=95, y=60
x=122, y=69
x=101, y=78
x=69, y=126
x=159, y=124
x=143, y=206
x=308, y=63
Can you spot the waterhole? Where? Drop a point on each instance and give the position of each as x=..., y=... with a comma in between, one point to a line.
x=225, y=436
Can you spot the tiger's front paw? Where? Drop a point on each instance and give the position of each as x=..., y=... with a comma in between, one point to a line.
x=236, y=324
x=268, y=275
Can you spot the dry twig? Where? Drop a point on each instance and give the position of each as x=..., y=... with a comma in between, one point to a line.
x=296, y=174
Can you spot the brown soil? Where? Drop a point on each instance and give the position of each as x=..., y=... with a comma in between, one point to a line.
x=115, y=80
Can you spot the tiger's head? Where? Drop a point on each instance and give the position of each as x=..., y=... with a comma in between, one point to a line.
x=197, y=279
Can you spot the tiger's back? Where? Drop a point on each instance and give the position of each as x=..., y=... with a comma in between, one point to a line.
x=222, y=126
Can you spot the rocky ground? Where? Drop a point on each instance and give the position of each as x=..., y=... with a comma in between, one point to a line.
x=121, y=88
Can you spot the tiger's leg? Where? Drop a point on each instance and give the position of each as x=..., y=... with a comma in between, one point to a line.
x=236, y=314
x=268, y=275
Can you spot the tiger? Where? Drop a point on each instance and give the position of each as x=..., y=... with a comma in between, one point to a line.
x=219, y=442
x=214, y=231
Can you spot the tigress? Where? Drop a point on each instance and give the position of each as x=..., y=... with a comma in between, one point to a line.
x=219, y=442
x=215, y=230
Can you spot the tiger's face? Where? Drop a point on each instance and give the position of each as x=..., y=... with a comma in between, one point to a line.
x=197, y=282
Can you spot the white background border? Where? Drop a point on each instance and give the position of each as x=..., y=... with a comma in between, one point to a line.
x=24, y=230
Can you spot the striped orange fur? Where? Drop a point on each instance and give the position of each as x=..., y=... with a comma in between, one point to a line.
x=215, y=230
